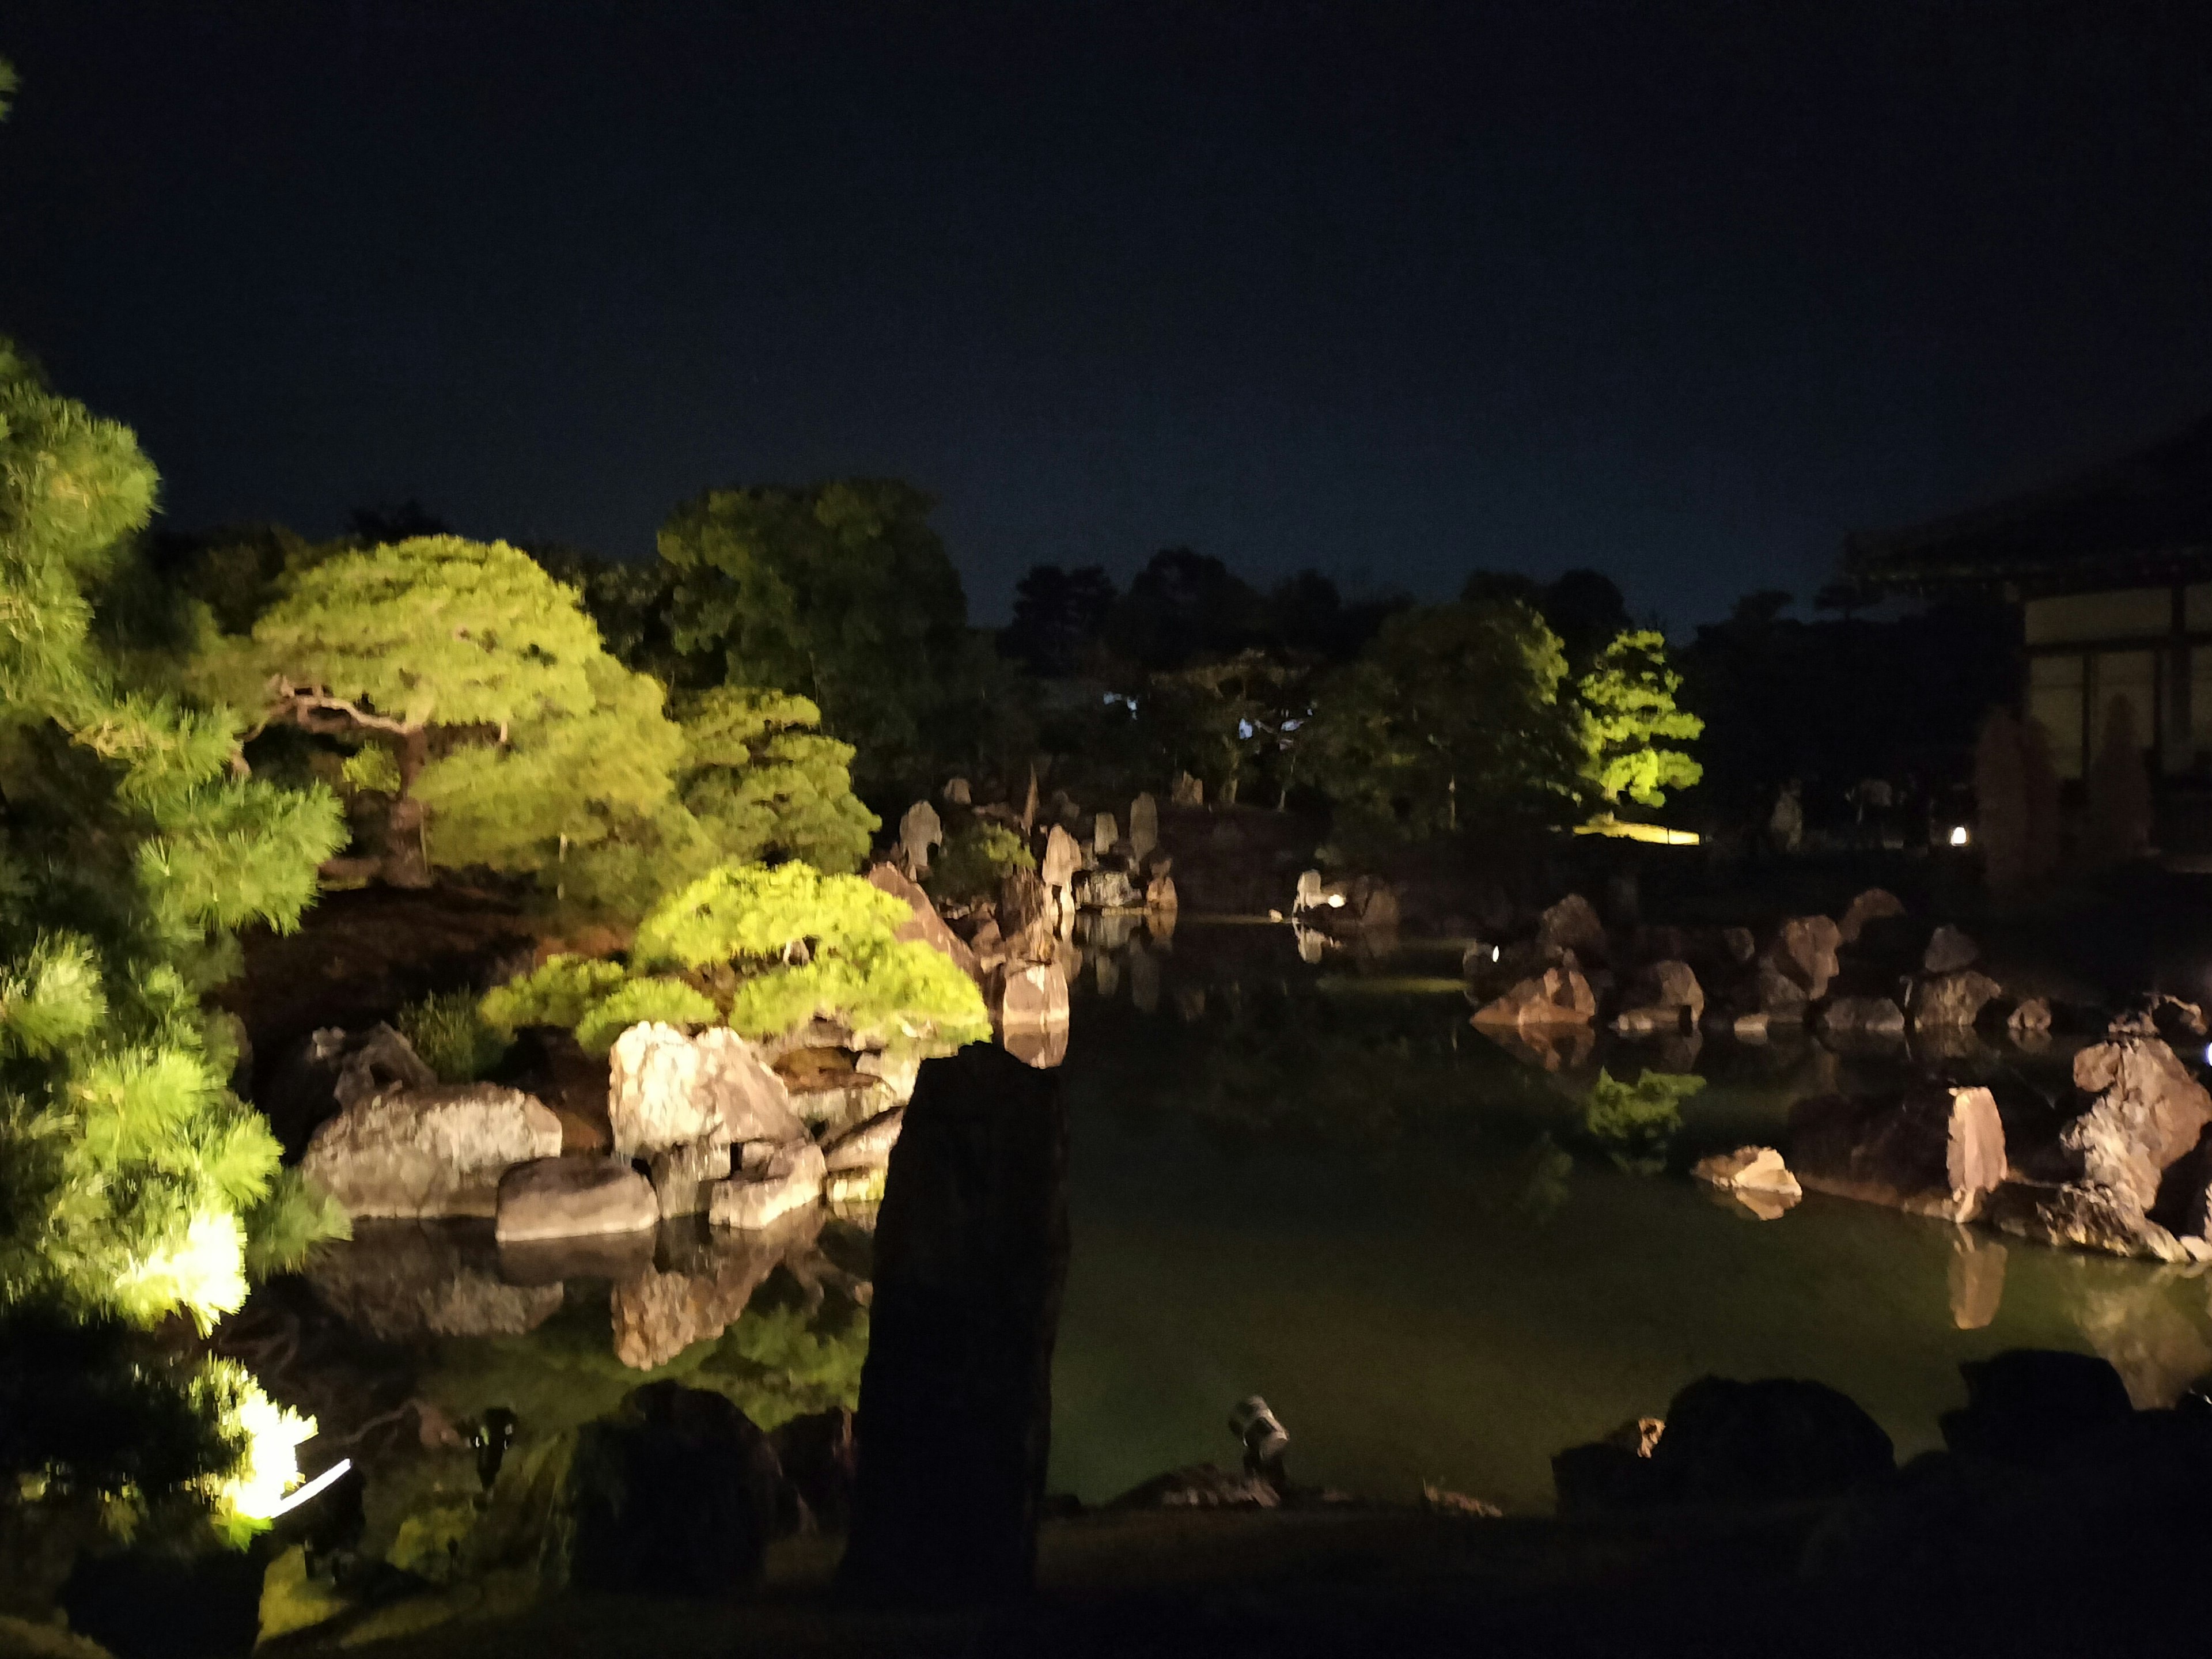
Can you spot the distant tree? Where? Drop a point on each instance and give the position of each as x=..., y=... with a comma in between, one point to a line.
x=1232, y=722
x=1453, y=714
x=1060, y=617
x=1501, y=588
x=766, y=786
x=1307, y=615
x=1183, y=606
x=395, y=521
x=1846, y=595
x=1587, y=611
x=1630, y=712
x=842, y=593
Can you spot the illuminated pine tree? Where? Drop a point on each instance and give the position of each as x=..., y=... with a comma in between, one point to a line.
x=1629, y=712
x=131, y=1177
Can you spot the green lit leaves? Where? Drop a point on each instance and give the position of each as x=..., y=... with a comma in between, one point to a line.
x=750, y=912
x=1629, y=711
x=50, y=998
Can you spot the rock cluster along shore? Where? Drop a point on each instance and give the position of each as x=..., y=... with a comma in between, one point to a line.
x=2122, y=1163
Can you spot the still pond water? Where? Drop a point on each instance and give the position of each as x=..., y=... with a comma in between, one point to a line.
x=1317, y=1182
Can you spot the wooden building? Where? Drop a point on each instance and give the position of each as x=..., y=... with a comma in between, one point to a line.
x=2111, y=570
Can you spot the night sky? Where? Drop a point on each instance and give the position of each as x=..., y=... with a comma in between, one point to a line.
x=1684, y=292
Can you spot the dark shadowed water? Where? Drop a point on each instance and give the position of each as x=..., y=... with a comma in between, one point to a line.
x=1325, y=1186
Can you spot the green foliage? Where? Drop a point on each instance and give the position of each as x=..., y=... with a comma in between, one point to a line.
x=373, y=769
x=766, y=787
x=559, y=991
x=451, y=1034
x=910, y=989
x=842, y=593
x=1451, y=717
x=669, y=1001
x=128, y=1170
x=1628, y=711
x=974, y=860
x=1636, y=1122
x=752, y=916
x=433, y=628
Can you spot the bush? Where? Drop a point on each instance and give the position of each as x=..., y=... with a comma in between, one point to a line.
x=670, y=1001
x=451, y=1034
x=560, y=991
x=971, y=863
x=1636, y=1122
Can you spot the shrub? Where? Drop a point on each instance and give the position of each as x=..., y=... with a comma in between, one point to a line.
x=1636, y=1122
x=560, y=991
x=451, y=1034
x=971, y=863
x=670, y=1001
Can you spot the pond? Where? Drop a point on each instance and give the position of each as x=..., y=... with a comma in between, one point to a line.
x=1315, y=1182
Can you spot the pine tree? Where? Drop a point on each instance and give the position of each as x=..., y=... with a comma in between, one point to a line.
x=766, y=787
x=1629, y=711
x=134, y=1180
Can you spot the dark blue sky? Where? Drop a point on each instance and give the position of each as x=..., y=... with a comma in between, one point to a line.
x=1681, y=291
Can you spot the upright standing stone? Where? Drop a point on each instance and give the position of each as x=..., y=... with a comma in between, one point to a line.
x=1029, y=803
x=920, y=830
x=956, y=1398
x=1105, y=832
x=1061, y=860
x=1187, y=791
x=1144, y=827
x=956, y=793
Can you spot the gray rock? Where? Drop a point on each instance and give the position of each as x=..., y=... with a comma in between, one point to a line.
x=1863, y=1017
x=1061, y=860
x=927, y=926
x=1952, y=1001
x=1559, y=996
x=1105, y=832
x=682, y=1177
x=427, y=1152
x=1572, y=924
x=666, y=1090
x=2148, y=1112
x=1948, y=950
x=920, y=830
x=1803, y=950
x=1662, y=995
x=1870, y=906
x=866, y=1145
x=790, y=1179
x=1160, y=893
x=333, y=1069
x=2031, y=1018
x=1935, y=1151
x=573, y=1197
x=1144, y=828
x=2084, y=1215
x=1751, y=1168
x=1108, y=889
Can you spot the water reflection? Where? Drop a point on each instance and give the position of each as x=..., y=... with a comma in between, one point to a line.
x=1406, y=1236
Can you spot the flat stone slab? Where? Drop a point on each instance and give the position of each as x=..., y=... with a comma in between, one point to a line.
x=573, y=1198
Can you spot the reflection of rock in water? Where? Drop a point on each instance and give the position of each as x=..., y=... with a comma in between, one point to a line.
x=1561, y=1047
x=1950, y=1045
x=1190, y=1003
x=1108, y=973
x=1108, y=930
x=611, y=1257
x=1977, y=1276
x=400, y=1280
x=1312, y=947
x=2134, y=1316
x=710, y=1274
x=1144, y=980
x=1545, y=1190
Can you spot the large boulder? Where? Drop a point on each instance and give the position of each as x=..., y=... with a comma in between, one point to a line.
x=1027, y=918
x=1061, y=860
x=866, y=1145
x=1875, y=1017
x=1803, y=953
x=1780, y=1439
x=431, y=1152
x=789, y=1178
x=573, y=1197
x=677, y=1494
x=1872, y=905
x=2025, y=1405
x=1949, y=951
x=926, y=926
x=1662, y=996
x=956, y=1398
x=920, y=830
x=1558, y=996
x=666, y=1090
x=1748, y=1168
x=1952, y=1001
x=333, y=1069
x=1572, y=924
x=684, y=1176
x=2146, y=1114
x=2085, y=1216
x=1933, y=1151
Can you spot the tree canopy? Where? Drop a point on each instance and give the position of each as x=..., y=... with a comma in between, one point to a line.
x=1629, y=712
x=1453, y=715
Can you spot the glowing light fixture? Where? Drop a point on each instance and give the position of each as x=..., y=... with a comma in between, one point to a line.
x=1496, y=952
x=1656, y=834
x=322, y=1482
x=1959, y=836
x=1336, y=901
x=273, y=1434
